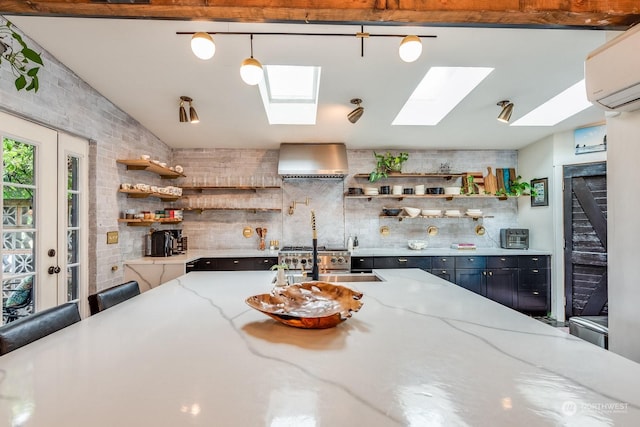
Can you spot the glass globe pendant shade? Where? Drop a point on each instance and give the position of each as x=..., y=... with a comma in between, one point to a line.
x=410, y=48
x=203, y=46
x=251, y=71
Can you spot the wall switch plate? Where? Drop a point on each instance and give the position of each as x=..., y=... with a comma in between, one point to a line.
x=112, y=237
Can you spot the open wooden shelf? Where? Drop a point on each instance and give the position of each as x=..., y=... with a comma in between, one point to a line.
x=149, y=222
x=446, y=176
x=202, y=188
x=402, y=217
x=138, y=194
x=427, y=196
x=254, y=210
x=149, y=166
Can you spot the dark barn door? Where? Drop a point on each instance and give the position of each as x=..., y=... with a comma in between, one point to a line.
x=585, y=233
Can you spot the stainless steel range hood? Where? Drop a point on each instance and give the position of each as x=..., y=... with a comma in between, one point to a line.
x=313, y=160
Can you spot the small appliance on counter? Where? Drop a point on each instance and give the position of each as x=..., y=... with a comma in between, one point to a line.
x=161, y=244
x=514, y=238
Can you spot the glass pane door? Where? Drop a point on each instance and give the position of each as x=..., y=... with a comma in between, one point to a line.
x=18, y=229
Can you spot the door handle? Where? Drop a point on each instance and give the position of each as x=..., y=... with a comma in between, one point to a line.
x=235, y=261
x=53, y=270
x=402, y=260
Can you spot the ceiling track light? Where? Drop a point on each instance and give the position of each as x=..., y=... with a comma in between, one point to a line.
x=193, y=116
x=410, y=48
x=203, y=46
x=507, y=109
x=355, y=115
x=251, y=69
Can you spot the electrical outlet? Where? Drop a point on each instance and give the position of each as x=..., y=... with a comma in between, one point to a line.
x=112, y=237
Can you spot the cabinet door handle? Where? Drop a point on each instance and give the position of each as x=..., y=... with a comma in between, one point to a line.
x=444, y=271
x=443, y=259
x=361, y=259
x=534, y=259
x=207, y=262
x=484, y=273
x=503, y=259
x=491, y=273
x=266, y=261
x=402, y=260
x=535, y=271
x=235, y=261
x=536, y=293
x=470, y=259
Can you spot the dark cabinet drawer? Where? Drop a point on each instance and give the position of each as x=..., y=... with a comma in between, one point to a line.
x=443, y=262
x=444, y=273
x=361, y=264
x=245, y=264
x=533, y=302
x=538, y=261
x=502, y=262
x=473, y=279
x=471, y=262
x=265, y=263
x=205, y=264
x=534, y=280
x=403, y=262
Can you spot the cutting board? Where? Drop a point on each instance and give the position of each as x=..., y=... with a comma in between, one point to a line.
x=500, y=179
x=490, y=182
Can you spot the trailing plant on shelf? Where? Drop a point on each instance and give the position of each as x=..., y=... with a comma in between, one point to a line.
x=387, y=163
x=517, y=188
x=24, y=62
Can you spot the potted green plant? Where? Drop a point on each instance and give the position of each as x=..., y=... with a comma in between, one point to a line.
x=25, y=62
x=517, y=188
x=280, y=278
x=387, y=163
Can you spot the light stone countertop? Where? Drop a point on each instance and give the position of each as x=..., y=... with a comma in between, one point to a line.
x=420, y=352
x=194, y=254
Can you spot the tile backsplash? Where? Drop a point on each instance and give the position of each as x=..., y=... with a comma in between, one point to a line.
x=337, y=216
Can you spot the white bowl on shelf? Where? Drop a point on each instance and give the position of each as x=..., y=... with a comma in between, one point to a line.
x=412, y=212
x=431, y=212
x=452, y=212
x=417, y=245
x=452, y=190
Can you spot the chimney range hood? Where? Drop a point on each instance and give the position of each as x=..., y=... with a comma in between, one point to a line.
x=313, y=160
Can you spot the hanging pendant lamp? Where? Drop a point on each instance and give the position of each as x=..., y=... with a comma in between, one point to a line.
x=203, y=46
x=251, y=69
x=410, y=48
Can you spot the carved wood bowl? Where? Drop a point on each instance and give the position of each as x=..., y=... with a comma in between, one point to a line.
x=309, y=305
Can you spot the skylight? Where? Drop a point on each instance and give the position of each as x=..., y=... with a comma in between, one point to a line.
x=558, y=108
x=440, y=90
x=290, y=94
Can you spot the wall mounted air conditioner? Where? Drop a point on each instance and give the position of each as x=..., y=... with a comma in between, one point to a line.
x=612, y=73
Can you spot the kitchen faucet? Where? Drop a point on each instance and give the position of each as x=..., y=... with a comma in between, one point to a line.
x=314, y=269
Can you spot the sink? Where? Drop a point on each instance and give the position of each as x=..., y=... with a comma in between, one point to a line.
x=344, y=277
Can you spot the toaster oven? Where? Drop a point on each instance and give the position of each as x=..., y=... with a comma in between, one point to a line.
x=514, y=238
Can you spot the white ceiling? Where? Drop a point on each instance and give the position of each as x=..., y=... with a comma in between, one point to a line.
x=144, y=67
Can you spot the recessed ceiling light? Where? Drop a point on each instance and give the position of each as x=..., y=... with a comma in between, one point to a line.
x=290, y=94
x=560, y=107
x=440, y=90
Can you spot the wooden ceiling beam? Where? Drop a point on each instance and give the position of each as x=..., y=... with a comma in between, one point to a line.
x=604, y=14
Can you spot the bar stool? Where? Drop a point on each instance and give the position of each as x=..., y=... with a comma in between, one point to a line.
x=107, y=298
x=31, y=328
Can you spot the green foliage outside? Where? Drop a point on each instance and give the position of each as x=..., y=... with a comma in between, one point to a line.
x=17, y=168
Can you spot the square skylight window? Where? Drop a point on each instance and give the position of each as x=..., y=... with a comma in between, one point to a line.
x=290, y=94
x=440, y=90
x=562, y=106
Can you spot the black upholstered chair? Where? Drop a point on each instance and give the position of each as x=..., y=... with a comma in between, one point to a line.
x=109, y=297
x=31, y=328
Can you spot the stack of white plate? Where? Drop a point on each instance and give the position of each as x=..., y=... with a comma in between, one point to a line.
x=370, y=191
x=452, y=212
x=474, y=213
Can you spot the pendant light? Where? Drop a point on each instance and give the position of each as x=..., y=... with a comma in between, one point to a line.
x=410, y=48
x=193, y=116
x=251, y=69
x=203, y=46
x=507, y=109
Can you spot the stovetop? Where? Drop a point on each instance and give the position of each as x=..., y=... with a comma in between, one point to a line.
x=310, y=248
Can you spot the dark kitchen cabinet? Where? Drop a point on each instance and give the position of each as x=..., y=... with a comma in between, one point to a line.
x=232, y=264
x=244, y=264
x=361, y=264
x=473, y=279
x=533, y=290
x=502, y=285
x=448, y=274
x=421, y=262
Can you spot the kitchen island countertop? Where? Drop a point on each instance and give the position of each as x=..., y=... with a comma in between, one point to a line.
x=420, y=352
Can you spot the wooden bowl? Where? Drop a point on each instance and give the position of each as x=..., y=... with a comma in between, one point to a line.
x=309, y=305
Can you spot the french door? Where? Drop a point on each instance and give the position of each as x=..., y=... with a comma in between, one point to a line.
x=44, y=218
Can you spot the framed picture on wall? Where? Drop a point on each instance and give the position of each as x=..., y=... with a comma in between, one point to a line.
x=541, y=187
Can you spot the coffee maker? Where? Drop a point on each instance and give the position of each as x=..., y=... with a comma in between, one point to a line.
x=161, y=244
x=177, y=242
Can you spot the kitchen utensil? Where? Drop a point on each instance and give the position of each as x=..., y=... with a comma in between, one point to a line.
x=499, y=180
